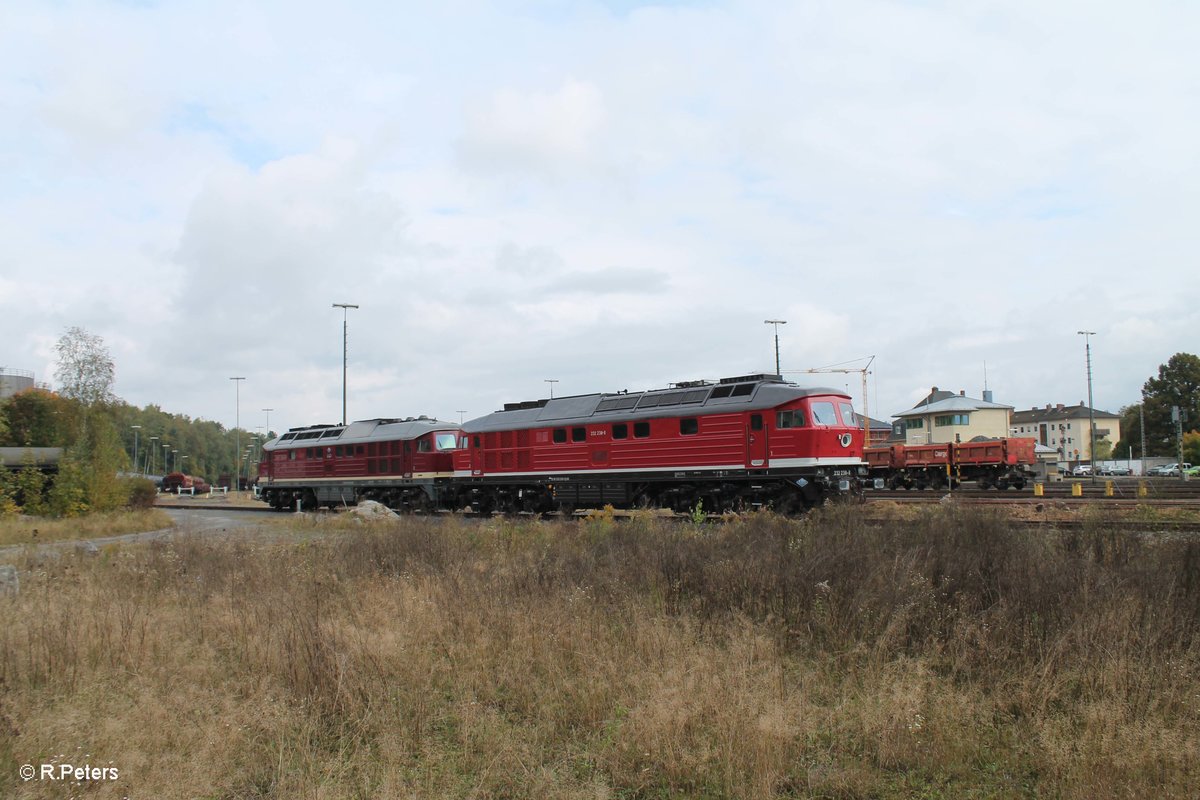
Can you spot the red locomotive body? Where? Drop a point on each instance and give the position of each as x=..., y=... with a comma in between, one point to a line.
x=999, y=463
x=405, y=464
x=743, y=442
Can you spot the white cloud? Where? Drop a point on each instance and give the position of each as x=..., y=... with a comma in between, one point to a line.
x=611, y=196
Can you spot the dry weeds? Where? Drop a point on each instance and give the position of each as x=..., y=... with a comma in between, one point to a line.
x=948, y=657
x=20, y=529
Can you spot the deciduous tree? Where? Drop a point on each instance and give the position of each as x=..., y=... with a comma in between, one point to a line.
x=1177, y=384
x=85, y=370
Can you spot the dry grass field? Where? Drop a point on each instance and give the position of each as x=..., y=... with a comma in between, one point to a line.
x=17, y=529
x=949, y=656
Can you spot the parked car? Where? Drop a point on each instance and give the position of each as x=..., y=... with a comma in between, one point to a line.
x=1082, y=471
x=1171, y=470
x=1114, y=471
x=1192, y=472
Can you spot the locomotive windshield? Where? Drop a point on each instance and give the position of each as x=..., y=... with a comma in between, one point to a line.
x=848, y=418
x=823, y=413
x=445, y=441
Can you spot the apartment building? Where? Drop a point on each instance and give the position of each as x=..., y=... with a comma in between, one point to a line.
x=1065, y=428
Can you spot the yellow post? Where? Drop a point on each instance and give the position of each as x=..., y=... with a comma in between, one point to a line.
x=1108, y=488
x=1077, y=489
x=1142, y=489
x=1038, y=490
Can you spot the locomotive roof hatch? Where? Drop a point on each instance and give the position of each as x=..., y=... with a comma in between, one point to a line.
x=747, y=393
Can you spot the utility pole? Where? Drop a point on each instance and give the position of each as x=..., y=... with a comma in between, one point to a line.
x=1087, y=339
x=776, y=323
x=1142, y=425
x=237, y=430
x=345, y=307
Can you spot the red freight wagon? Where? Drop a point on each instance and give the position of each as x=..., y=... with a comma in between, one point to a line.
x=999, y=463
x=403, y=463
x=743, y=442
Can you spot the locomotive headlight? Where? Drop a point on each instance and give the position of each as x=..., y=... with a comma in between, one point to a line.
x=845, y=439
x=843, y=485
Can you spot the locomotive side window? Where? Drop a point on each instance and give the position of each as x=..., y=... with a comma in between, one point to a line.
x=560, y=435
x=338, y=451
x=641, y=430
x=823, y=413
x=756, y=422
x=789, y=419
x=620, y=431
x=477, y=440
x=359, y=450
x=690, y=425
x=424, y=446
x=578, y=434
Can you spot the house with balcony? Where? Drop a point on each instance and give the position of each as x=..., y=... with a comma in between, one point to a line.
x=1066, y=429
x=948, y=417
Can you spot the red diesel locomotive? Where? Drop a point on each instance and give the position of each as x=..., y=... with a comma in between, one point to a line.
x=740, y=443
x=404, y=463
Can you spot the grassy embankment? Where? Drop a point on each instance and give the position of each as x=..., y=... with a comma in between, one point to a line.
x=17, y=529
x=954, y=656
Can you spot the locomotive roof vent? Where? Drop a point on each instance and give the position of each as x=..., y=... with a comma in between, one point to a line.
x=762, y=376
x=526, y=404
x=692, y=384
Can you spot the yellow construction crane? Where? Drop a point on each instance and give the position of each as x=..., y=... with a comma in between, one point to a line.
x=864, y=370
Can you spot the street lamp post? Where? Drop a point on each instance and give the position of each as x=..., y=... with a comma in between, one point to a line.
x=237, y=428
x=153, y=448
x=776, y=323
x=1087, y=341
x=551, y=381
x=136, y=428
x=268, y=426
x=174, y=460
x=345, y=307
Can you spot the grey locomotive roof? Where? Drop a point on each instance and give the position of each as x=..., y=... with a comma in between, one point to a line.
x=686, y=400
x=359, y=431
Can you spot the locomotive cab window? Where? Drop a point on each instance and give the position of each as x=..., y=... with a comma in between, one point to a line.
x=689, y=426
x=444, y=441
x=424, y=446
x=560, y=435
x=789, y=419
x=823, y=413
x=641, y=430
x=848, y=417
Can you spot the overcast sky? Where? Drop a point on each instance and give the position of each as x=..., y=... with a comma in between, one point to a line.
x=610, y=194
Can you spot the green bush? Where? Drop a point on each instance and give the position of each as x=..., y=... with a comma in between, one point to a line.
x=142, y=492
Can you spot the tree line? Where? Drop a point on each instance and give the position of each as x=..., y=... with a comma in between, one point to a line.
x=98, y=433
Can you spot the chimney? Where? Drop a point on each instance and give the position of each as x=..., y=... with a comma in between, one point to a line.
x=933, y=390
x=1047, y=406
x=1060, y=406
x=962, y=392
